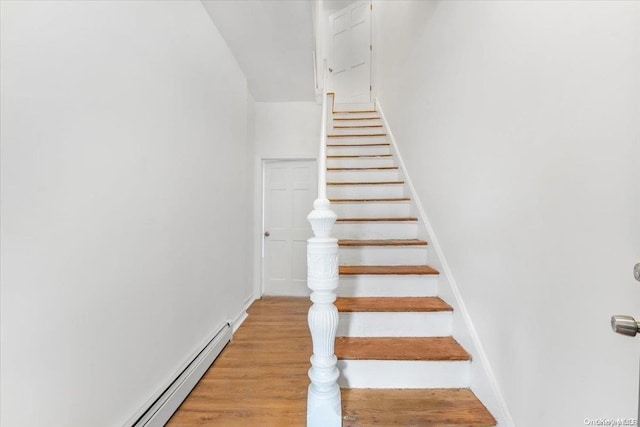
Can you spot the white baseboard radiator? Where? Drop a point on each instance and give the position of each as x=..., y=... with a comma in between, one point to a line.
x=170, y=399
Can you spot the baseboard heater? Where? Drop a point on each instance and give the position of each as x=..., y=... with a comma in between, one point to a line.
x=166, y=404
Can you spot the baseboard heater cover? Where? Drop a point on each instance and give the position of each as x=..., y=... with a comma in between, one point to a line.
x=166, y=404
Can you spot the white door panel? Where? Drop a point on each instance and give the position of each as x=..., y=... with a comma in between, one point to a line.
x=290, y=189
x=350, y=54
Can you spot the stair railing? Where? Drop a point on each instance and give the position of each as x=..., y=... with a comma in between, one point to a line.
x=324, y=408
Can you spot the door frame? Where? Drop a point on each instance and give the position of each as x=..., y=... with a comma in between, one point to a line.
x=259, y=203
x=374, y=91
x=328, y=39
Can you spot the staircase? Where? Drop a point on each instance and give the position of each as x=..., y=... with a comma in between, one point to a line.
x=399, y=364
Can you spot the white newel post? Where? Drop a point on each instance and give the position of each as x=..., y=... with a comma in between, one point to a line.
x=323, y=404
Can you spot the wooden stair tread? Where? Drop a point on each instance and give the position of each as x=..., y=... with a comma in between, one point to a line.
x=357, y=126
x=353, y=156
x=444, y=407
x=366, y=183
x=356, y=118
x=392, y=199
x=385, y=242
x=341, y=135
x=354, y=111
x=400, y=348
x=364, y=169
x=358, y=145
x=392, y=219
x=387, y=269
x=391, y=304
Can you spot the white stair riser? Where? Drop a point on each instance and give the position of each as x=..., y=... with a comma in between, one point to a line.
x=363, y=175
x=365, y=191
x=355, y=130
x=383, y=255
x=353, y=106
x=347, y=140
x=371, y=209
x=393, y=324
x=403, y=374
x=368, y=115
x=378, y=230
x=358, y=151
x=359, y=162
x=385, y=285
x=356, y=122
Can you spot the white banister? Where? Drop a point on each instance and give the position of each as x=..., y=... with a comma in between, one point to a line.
x=322, y=157
x=324, y=408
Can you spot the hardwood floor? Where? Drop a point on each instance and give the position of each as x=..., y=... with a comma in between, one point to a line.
x=260, y=379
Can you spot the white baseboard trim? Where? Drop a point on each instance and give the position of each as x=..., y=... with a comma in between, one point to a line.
x=162, y=408
x=239, y=320
x=242, y=316
x=498, y=405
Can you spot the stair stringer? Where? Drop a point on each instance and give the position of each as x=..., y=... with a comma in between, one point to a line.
x=483, y=381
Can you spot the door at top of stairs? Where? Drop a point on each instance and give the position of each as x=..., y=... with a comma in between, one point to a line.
x=349, y=55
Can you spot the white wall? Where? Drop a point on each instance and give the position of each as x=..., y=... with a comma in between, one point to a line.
x=287, y=129
x=273, y=43
x=283, y=130
x=318, y=45
x=518, y=122
x=253, y=206
x=124, y=185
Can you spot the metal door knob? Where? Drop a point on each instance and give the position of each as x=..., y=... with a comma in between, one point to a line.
x=625, y=325
x=636, y=271
x=331, y=70
x=267, y=234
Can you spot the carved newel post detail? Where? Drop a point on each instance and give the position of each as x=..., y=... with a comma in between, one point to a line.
x=323, y=404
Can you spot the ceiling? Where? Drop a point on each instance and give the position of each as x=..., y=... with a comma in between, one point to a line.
x=273, y=43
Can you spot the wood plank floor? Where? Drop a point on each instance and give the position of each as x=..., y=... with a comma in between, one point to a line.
x=260, y=379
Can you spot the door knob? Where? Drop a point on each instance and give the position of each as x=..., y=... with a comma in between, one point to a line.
x=636, y=271
x=625, y=325
x=331, y=70
x=267, y=234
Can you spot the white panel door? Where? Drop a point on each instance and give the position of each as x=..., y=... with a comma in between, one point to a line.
x=350, y=53
x=289, y=191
